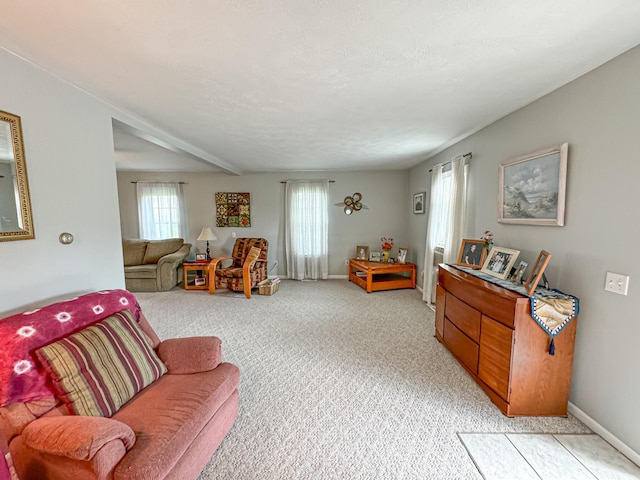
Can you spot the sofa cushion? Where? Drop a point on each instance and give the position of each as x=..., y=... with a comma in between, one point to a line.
x=156, y=249
x=98, y=369
x=141, y=271
x=168, y=415
x=133, y=251
x=23, y=333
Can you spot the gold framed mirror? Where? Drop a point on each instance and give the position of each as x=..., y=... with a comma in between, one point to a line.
x=15, y=203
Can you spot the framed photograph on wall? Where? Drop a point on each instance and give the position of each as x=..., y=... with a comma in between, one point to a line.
x=472, y=253
x=362, y=252
x=402, y=255
x=418, y=202
x=532, y=188
x=537, y=271
x=499, y=262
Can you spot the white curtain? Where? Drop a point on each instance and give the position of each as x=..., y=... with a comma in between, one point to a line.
x=161, y=211
x=435, y=218
x=457, y=214
x=307, y=229
x=447, y=212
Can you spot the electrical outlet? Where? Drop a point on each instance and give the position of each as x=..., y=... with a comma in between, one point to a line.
x=346, y=262
x=616, y=283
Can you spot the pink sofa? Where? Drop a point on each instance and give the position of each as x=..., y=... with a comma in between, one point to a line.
x=168, y=430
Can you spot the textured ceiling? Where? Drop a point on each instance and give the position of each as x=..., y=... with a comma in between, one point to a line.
x=276, y=85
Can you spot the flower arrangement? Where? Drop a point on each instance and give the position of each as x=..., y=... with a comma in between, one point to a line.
x=487, y=238
x=387, y=243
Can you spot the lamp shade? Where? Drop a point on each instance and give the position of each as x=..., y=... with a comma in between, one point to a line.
x=207, y=234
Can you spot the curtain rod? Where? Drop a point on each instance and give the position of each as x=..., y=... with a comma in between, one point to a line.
x=330, y=181
x=157, y=181
x=463, y=156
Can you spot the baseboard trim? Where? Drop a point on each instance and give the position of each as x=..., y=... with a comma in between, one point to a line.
x=604, y=433
x=330, y=277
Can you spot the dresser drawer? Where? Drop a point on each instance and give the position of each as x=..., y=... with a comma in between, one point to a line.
x=465, y=349
x=463, y=316
x=495, y=356
x=440, y=301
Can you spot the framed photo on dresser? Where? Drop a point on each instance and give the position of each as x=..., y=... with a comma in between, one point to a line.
x=499, y=262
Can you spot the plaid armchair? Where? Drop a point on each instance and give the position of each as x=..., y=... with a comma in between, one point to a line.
x=249, y=267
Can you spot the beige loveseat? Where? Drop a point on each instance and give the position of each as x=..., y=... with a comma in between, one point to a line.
x=153, y=265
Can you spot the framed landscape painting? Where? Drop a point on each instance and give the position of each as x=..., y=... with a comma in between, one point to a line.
x=532, y=188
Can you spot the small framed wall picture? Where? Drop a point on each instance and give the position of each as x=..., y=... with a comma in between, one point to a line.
x=362, y=252
x=472, y=253
x=402, y=255
x=375, y=256
x=201, y=257
x=499, y=262
x=418, y=202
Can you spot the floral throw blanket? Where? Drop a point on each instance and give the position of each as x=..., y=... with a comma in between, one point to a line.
x=20, y=378
x=551, y=309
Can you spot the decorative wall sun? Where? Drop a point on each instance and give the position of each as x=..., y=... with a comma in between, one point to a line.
x=352, y=203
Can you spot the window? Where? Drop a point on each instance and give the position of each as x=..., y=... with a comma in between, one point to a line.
x=307, y=236
x=442, y=208
x=447, y=219
x=161, y=210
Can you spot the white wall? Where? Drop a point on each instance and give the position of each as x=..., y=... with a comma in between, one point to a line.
x=383, y=192
x=599, y=116
x=70, y=163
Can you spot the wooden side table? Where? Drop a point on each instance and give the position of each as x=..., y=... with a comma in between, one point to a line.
x=196, y=275
x=375, y=276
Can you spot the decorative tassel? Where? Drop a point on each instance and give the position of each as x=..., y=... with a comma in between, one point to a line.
x=552, y=348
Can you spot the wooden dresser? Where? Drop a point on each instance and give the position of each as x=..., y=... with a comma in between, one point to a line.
x=490, y=331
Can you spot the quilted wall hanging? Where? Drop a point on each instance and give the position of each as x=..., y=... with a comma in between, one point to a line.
x=233, y=209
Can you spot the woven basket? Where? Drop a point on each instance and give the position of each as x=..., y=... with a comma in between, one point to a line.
x=267, y=289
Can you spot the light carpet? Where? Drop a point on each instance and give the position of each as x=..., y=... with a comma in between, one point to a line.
x=339, y=384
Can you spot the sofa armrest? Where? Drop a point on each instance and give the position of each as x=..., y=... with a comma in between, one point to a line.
x=190, y=355
x=74, y=436
x=213, y=265
x=176, y=257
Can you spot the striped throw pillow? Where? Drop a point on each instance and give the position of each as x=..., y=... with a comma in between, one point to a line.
x=98, y=369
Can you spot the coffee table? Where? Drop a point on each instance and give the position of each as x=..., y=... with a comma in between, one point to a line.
x=376, y=276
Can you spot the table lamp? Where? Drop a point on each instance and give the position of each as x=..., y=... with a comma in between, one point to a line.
x=205, y=235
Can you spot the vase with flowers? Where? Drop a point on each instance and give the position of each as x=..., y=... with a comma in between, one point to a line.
x=487, y=238
x=387, y=245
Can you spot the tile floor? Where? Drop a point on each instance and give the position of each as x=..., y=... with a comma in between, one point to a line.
x=522, y=456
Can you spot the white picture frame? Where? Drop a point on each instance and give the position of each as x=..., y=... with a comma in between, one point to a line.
x=533, y=187
x=499, y=262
